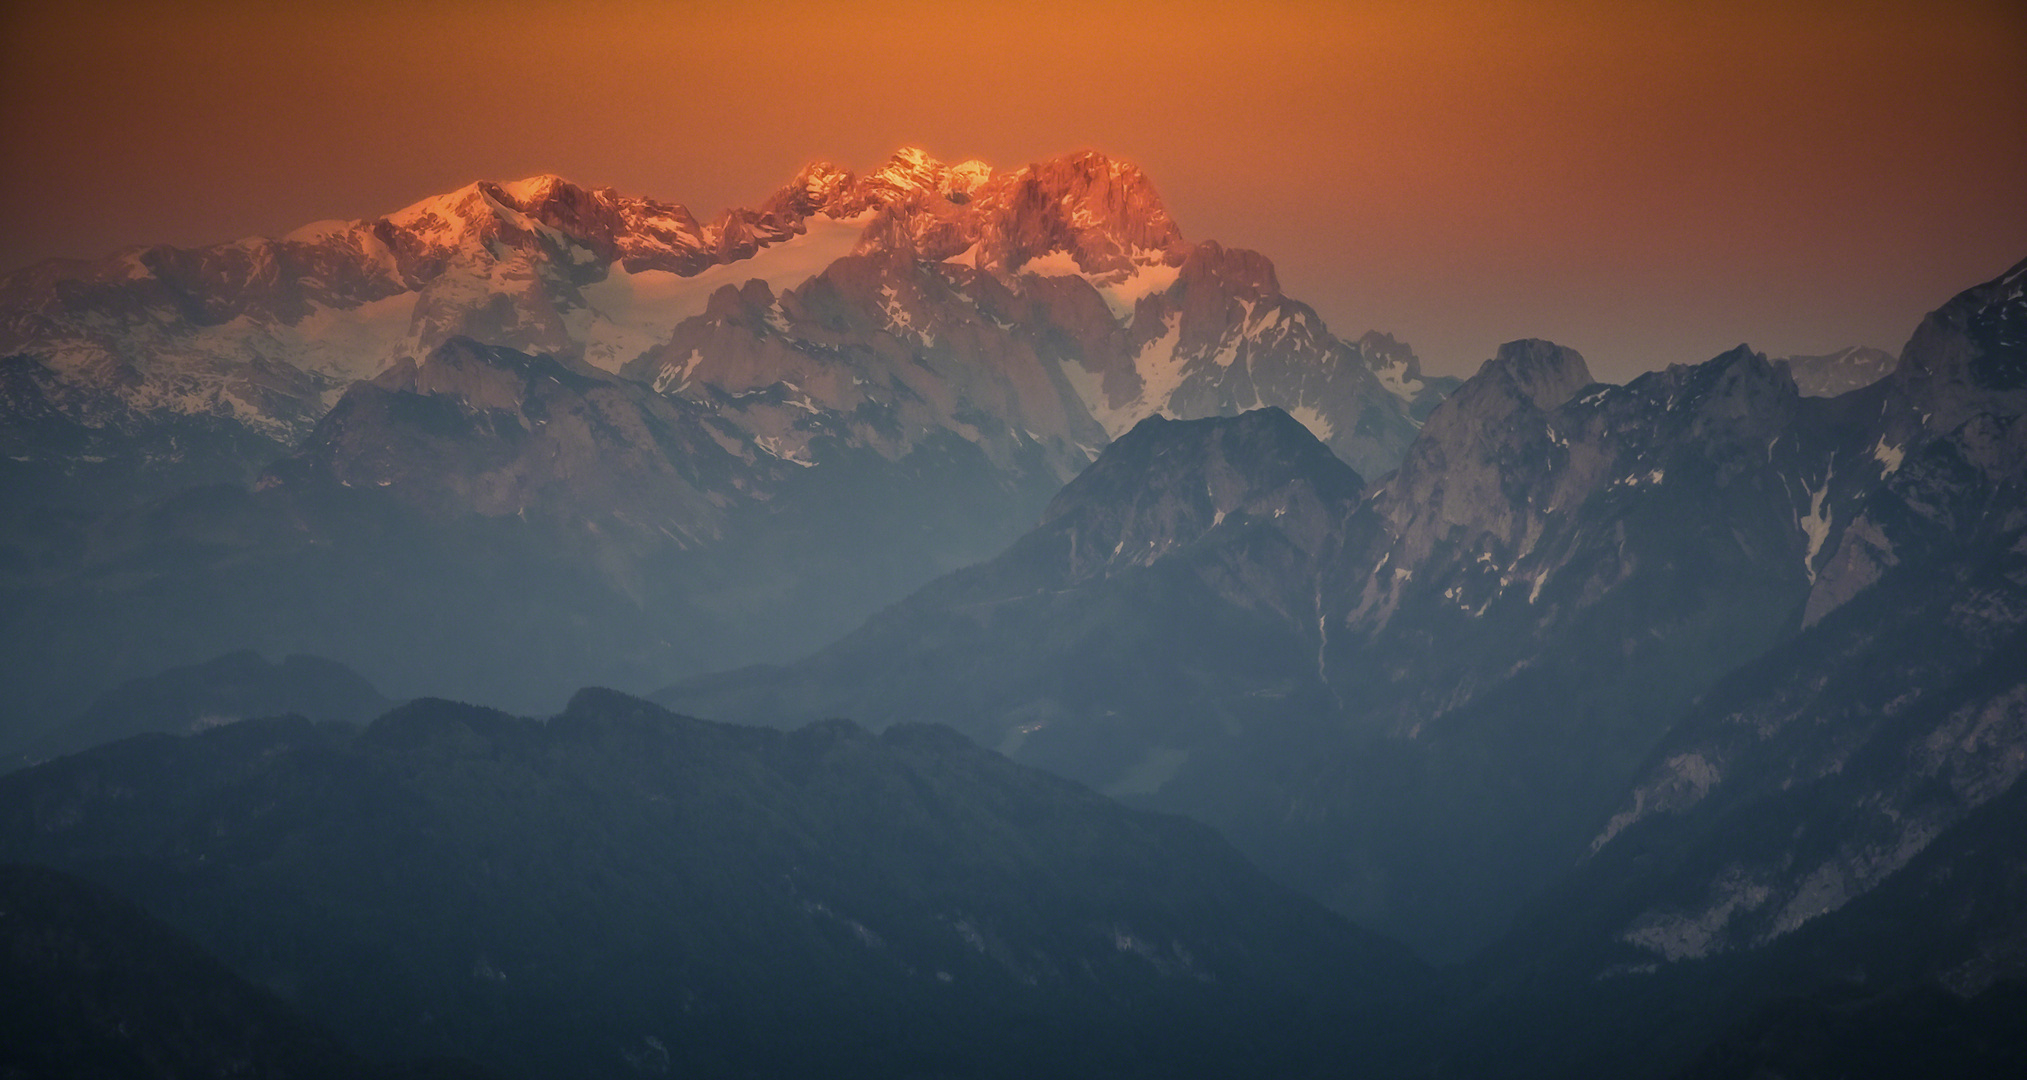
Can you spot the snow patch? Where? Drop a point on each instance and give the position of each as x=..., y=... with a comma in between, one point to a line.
x=1123, y=294
x=1315, y=421
x=318, y=230
x=533, y=188
x=774, y=447
x=677, y=375
x=1053, y=264
x=351, y=343
x=1816, y=526
x=1888, y=456
x=1160, y=366
x=1121, y=290
x=1160, y=371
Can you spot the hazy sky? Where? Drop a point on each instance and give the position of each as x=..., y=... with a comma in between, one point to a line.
x=1647, y=182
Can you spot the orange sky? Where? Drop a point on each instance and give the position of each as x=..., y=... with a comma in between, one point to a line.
x=1648, y=182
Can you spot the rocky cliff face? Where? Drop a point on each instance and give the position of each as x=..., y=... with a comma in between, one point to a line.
x=880, y=353
x=1575, y=568
x=1902, y=703
x=1534, y=504
x=1905, y=711
x=1173, y=483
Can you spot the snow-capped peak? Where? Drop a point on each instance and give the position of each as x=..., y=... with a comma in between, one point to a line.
x=318, y=230
x=915, y=158
x=820, y=184
x=967, y=177
x=533, y=189
x=437, y=211
x=910, y=170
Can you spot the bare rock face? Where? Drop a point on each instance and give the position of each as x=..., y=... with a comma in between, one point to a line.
x=1103, y=213
x=879, y=353
x=1173, y=482
x=1535, y=505
x=1490, y=442
x=1964, y=375
x=1907, y=709
x=1221, y=338
x=1949, y=448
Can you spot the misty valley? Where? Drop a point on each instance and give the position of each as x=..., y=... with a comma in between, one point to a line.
x=942, y=622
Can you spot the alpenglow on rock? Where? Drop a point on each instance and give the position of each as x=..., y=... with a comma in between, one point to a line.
x=690, y=441
x=1072, y=263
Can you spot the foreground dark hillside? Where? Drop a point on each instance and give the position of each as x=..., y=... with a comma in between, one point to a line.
x=92, y=988
x=621, y=890
x=95, y=988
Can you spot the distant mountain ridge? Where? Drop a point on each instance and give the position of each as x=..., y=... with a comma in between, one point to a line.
x=1839, y=372
x=224, y=690
x=97, y=988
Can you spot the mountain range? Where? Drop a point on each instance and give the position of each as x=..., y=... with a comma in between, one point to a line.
x=692, y=442
x=1424, y=697
x=1070, y=296
x=1679, y=722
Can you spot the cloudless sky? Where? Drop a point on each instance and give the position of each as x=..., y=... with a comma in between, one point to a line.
x=1648, y=182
